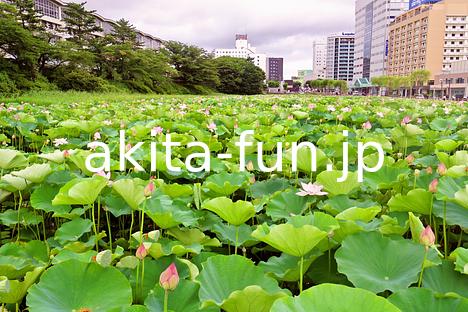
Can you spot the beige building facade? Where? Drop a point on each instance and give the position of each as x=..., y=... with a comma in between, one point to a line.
x=431, y=37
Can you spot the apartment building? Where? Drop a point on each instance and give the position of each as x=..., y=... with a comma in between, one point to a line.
x=52, y=12
x=340, y=57
x=274, y=69
x=243, y=49
x=319, y=54
x=431, y=36
x=372, y=18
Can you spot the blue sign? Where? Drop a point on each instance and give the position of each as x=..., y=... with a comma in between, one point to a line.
x=415, y=3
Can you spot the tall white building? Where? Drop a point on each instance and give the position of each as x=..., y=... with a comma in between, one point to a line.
x=371, y=46
x=340, y=57
x=244, y=50
x=319, y=59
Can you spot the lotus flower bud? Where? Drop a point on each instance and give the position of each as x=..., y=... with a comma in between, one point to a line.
x=433, y=186
x=141, y=252
x=441, y=169
x=149, y=189
x=250, y=166
x=429, y=170
x=427, y=237
x=417, y=173
x=169, y=279
x=66, y=153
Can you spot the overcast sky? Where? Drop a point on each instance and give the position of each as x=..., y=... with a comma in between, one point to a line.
x=278, y=28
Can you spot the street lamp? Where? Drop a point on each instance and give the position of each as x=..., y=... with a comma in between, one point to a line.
x=449, y=88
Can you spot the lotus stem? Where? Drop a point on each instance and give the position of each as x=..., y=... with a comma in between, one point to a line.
x=444, y=225
x=166, y=299
x=131, y=227
x=237, y=239
x=422, y=268
x=94, y=227
x=301, y=274
x=109, y=230
x=430, y=211
x=19, y=209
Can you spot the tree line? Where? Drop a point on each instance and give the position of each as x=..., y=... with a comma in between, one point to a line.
x=404, y=85
x=35, y=58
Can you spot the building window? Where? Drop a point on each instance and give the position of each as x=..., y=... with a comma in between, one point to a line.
x=47, y=8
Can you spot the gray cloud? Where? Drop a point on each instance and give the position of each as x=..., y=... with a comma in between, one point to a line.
x=277, y=28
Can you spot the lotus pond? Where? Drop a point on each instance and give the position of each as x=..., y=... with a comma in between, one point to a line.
x=232, y=240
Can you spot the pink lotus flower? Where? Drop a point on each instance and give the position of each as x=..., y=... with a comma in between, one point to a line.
x=128, y=147
x=406, y=120
x=97, y=136
x=311, y=106
x=429, y=170
x=410, y=159
x=380, y=114
x=141, y=252
x=58, y=142
x=441, y=169
x=157, y=131
x=212, y=127
x=427, y=237
x=419, y=121
x=290, y=117
x=149, y=189
x=66, y=153
x=367, y=125
x=311, y=189
x=433, y=186
x=169, y=279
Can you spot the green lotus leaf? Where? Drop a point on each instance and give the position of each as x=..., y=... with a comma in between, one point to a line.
x=305, y=160
x=424, y=300
x=165, y=247
x=182, y=299
x=329, y=180
x=446, y=145
x=235, y=213
x=177, y=190
x=336, y=298
x=455, y=214
x=225, y=183
x=448, y=187
x=377, y=263
x=10, y=159
x=340, y=203
x=417, y=200
x=442, y=124
x=228, y=290
x=443, y=279
x=193, y=236
x=268, y=187
x=35, y=173
x=17, y=289
x=359, y=214
x=131, y=190
x=136, y=308
x=227, y=234
x=65, y=255
x=285, y=204
x=295, y=241
x=24, y=217
x=116, y=205
x=286, y=267
x=167, y=213
x=74, y=285
x=461, y=197
x=324, y=270
x=42, y=198
x=57, y=156
x=386, y=177
x=80, y=191
x=460, y=255
x=71, y=231
x=13, y=183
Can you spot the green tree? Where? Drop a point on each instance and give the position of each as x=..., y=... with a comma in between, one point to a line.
x=239, y=76
x=419, y=78
x=80, y=24
x=125, y=33
x=273, y=84
x=193, y=66
x=27, y=15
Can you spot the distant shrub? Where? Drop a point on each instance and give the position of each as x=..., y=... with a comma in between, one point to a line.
x=81, y=80
x=7, y=86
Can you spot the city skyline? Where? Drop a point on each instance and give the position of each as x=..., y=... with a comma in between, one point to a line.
x=286, y=31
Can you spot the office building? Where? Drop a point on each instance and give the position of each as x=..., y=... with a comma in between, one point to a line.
x=453, y=83
x=243, y=49
x=340, y=57
x=52, y=13
x=274, y=69
x=372, y=18
x=430, y=36
x=319, y=54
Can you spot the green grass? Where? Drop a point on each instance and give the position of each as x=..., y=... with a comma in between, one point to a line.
x=60, y=97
